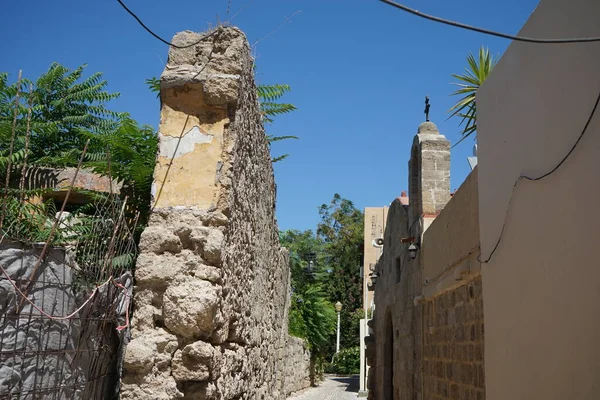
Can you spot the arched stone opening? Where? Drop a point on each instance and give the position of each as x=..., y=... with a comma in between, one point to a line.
x=388, y=359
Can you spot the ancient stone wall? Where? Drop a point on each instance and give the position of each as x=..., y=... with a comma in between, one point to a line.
x=453, y=366
x=212, y=282
x=295, y=359
x=428, y=337
x=395, y=370
x=428, y=321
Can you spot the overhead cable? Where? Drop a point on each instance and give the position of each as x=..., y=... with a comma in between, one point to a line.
x=539, y=178
x=154, y=34
x=488, y=31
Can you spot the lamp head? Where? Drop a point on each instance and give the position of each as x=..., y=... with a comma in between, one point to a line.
x=338, y=306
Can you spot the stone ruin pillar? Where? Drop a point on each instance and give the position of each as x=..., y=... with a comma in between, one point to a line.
x=212, y=283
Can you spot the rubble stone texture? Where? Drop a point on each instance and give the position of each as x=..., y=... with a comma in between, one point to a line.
x=212, y=283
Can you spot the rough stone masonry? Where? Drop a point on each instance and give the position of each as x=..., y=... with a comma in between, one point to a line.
x=212, y=282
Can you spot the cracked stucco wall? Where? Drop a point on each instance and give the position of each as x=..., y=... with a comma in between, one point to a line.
x=212, y=282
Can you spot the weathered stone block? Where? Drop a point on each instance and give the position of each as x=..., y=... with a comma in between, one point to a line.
x=158, y=240
x=190, y=307
x=212, y=247
x=194, y=362
x=205, y=272
x=152, y=349
x=158, y=270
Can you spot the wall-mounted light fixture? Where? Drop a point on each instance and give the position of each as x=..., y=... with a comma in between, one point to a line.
x=418, y=300
x=374, y=277
x=377, y=242
x=412, y=251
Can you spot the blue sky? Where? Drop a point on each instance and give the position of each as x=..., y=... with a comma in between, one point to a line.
x=359, y=72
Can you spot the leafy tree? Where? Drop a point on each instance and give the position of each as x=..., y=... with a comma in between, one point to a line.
x=306, y=257
x=67, y=110
x=311, y=315
x=341, y=229
x=154, y=85
x=475, y=74
x=56, y=115
x=131, y=160
x=334, y=275
x=7, y=110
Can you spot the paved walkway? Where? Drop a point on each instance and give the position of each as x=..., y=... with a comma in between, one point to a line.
x=332, y=388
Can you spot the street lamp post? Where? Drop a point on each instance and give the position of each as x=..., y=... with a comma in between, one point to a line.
x=338, y=308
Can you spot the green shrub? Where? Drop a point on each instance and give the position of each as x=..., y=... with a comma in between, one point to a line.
x=346, y=362
x=297, y=326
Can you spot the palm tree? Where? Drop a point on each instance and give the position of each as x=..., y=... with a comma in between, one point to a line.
x=475, y=74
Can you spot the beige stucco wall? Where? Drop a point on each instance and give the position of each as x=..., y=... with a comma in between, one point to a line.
x=451, y=243
x=375, y=219
x=542, y=285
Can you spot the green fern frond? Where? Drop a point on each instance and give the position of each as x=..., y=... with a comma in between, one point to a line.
x=280, y=158
x=272, y=109
x=270, y=93
x=271, y=138
x=154, y=85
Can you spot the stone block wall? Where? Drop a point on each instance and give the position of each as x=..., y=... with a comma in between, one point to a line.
x=295, y=355
x=394, y=351
x=453, y=365
x=428, y=322
x=428, y=172
x=212, y=282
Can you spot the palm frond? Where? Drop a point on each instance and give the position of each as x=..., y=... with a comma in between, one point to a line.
x=468, y=84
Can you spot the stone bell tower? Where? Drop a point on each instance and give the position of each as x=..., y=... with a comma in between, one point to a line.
x=428, y=172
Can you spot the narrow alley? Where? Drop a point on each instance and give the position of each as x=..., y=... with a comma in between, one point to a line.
x=332, y=388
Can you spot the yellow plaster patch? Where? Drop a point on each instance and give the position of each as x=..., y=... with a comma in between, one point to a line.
x=191, y=180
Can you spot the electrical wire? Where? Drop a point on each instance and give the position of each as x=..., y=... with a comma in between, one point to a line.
x=487, y=31
x=539, y=178
x=155, y=35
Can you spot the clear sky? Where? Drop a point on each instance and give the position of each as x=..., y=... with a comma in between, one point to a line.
x=359, y=72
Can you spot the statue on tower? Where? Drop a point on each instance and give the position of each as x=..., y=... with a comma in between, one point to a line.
x=427, y=109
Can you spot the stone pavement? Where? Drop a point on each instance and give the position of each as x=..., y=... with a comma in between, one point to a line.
x=332, y=388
